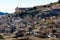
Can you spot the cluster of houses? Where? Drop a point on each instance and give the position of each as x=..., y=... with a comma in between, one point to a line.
x=25, y=25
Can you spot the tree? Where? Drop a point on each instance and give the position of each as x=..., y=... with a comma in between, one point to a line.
x=59, y=1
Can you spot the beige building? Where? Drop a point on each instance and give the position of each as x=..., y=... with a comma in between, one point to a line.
x=19, y=10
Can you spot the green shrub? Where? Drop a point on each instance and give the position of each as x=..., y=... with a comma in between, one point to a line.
x=1, y=37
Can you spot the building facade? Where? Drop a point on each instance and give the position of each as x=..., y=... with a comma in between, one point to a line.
x=20, y=10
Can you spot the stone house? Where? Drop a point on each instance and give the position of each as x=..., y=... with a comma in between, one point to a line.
x=19, y=10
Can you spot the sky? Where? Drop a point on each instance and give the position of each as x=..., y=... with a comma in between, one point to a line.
x=10, y=5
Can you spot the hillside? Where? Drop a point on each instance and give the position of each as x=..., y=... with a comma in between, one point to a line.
x=1, y=13
x=49, y=5
x=37, y=22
